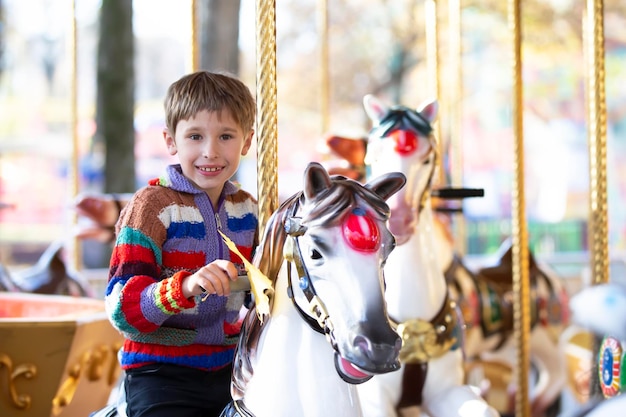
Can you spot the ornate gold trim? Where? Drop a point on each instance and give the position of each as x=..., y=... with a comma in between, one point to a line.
x=91, y=365
x=28, y=371
x=423, y=340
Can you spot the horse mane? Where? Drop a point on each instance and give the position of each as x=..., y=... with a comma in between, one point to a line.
x=402, y=117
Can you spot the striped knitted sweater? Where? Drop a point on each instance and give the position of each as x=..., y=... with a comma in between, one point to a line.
x=167, y=232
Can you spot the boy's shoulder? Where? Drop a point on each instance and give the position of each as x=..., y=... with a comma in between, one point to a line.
x=155, y=194
x=238, y=195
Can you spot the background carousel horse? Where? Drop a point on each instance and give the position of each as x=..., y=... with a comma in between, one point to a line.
x=49, y=275
x=432, y=375
x=328, y=329
x=601, y=309
x=485, y=300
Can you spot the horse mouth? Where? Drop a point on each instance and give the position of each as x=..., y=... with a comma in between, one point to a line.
x=349, y=372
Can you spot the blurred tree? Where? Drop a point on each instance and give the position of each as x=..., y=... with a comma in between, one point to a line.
x=115, y=101
x=219, y=35
x=219, y=50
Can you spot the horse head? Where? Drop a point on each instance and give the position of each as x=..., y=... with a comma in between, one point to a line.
x=402, y=139
x=324, y=250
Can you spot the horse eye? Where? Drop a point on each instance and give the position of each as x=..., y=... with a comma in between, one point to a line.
x=315, y=254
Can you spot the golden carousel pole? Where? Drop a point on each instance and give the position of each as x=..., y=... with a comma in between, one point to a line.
x=598, y=222
x=322, y=22
x=195, y=50
x=521, y=290
x=75, y=177
x=267, y=129
x=593, y=34
x=455, y=101
x=432, y=64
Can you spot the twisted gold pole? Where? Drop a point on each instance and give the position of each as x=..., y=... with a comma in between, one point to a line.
x=195, y=50
x=266, y=132
x=598, y=222
x=322, y=18
x=521, y=290
x=593, y=33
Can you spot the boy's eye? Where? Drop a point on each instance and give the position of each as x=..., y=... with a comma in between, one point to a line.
x=226, y=137
x=195, y=137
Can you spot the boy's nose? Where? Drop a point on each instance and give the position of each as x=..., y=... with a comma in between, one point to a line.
x=209, y=151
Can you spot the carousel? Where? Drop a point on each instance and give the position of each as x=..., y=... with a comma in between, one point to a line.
x=365, y=301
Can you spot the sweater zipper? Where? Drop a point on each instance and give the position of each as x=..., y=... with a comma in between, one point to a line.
x=218, y=223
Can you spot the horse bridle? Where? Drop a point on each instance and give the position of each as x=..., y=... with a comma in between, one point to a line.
x=318, y=320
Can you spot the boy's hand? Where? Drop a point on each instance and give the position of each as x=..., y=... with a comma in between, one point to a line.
x=213, y=278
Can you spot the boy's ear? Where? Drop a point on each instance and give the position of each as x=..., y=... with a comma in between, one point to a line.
x=247, y=143
x=169, y=142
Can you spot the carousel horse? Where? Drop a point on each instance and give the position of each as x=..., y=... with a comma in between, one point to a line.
x=49, y=275
x=328, y=329
x=101, y=212
x=601, y=309
x=485, y=300
x=431, y=379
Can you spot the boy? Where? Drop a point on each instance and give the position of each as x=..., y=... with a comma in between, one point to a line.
x=170, y=272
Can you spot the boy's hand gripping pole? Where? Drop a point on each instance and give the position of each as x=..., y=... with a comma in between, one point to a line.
x=260, y=285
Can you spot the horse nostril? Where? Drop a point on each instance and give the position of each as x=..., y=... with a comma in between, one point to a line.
x=398, y=345
x=363, y=345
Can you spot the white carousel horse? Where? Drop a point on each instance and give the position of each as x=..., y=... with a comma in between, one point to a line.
x=328, y=329
x=431, y=379
x=601, y=309
x=483, y=298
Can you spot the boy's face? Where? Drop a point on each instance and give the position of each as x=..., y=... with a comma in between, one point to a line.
x=209, y=147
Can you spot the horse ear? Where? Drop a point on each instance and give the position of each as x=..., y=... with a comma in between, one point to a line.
x=351, y=149
x=374, y=108
x=316, y=180
x=387, y=185
x=429, y=110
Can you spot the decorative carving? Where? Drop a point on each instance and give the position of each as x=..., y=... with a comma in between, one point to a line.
x=91, y=365
x=28, y=371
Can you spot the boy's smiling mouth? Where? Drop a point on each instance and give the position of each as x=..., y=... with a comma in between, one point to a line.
x=206, y=169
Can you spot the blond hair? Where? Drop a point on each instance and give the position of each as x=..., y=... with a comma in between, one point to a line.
x=211, y=91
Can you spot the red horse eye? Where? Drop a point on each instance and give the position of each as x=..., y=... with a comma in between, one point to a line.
x=406, y=141
x=361, y=231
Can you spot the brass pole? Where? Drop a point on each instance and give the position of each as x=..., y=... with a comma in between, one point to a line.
x=598, y=222
x=432, y=65
x=195, y=50
x=322, y=19
x=267, y=129
x=75, y=182
x=593, y=32
x=455, y=109
x=521, y=284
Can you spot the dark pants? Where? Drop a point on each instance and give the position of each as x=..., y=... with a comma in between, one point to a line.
x=171, y=390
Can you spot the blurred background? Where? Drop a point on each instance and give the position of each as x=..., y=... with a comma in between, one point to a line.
x=82, y=84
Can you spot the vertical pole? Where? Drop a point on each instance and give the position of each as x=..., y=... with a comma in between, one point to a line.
x=75, y=176
x=598, y=223
x=521, y=283
x=195, y=50
x=455, y=101
x=593, y=32
x=432, y=64
x=324, y=73
x=267, y=129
